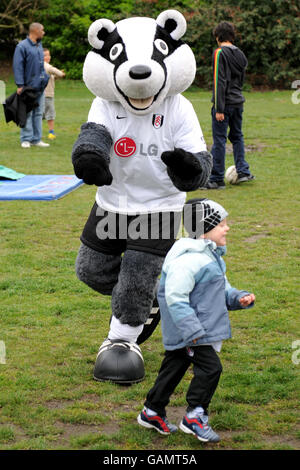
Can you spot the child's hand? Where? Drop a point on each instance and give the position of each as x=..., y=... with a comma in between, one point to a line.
x=220, y=117
x=247, y=300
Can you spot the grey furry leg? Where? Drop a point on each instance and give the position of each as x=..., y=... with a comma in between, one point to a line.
x=133, y=295
x=98, y=270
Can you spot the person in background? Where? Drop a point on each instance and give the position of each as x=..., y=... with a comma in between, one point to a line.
x=49, y=110
x=229, y=64
x=28, y=68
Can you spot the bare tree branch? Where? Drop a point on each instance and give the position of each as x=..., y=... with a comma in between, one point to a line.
x=14, y=15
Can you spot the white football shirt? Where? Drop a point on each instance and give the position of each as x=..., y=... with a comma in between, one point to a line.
x=140, y=180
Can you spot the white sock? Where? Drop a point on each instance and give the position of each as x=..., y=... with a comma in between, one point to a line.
x=150, y=412
x=123, y=331
x=195, y=412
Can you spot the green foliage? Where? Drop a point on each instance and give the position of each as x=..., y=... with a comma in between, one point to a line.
x=15, y=16
x=66, y=25
x=153, y=8
x=268, y=31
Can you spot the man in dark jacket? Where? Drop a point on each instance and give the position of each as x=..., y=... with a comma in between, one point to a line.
x=229, y=64
x=28, y=66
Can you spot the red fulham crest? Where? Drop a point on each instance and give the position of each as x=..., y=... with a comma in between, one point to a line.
x=157, y=120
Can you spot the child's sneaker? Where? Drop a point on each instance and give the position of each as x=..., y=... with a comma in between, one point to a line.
x=214, y=185
x=199, y=427
x=156, y=422
x=243, y=178
x=51, y=135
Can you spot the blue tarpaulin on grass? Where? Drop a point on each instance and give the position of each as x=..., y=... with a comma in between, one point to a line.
x=38, y=187
x=9, y=174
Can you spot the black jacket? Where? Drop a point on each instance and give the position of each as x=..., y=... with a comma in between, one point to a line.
x=16, y=107
x=229, y=64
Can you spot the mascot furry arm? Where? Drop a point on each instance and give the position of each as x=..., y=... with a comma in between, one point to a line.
x=188, y=171
x=91, y=155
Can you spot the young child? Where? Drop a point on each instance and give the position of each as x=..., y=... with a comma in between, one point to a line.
x=49, y=112
x=194, y=297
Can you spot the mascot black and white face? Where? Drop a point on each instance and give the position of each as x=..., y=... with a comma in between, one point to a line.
x=139, y=61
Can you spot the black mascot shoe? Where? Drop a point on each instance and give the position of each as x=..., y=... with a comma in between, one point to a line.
x=119, y=361
x=151, y=323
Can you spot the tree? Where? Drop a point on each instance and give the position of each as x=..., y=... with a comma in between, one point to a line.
x=268, y=33
x=66, y=24
x=15, y=17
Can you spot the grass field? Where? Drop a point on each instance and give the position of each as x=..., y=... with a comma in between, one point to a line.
x=52, y=325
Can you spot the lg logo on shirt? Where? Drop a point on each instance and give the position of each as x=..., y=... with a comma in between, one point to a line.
x=126, y=147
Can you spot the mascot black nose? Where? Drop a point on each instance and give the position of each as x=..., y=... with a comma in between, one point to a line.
x=139, y=72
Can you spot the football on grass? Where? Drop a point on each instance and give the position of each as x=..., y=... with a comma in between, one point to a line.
x=231, y=175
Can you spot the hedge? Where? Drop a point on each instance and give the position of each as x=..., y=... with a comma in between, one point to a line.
x=268, y=32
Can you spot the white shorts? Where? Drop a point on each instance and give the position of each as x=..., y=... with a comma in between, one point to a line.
x=49, y=111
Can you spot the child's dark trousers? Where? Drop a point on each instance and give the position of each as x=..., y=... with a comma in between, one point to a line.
x=233, y=120
x=207, y=370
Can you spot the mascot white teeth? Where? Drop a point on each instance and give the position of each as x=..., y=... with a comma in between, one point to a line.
x=143, y=147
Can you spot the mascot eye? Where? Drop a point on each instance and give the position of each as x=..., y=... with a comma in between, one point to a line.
x=115, y=51
x=161, y=46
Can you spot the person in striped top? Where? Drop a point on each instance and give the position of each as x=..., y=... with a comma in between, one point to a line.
x=229, y=65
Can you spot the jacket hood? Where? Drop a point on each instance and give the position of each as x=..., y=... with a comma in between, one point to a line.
x=236, y=58
x=190, y=245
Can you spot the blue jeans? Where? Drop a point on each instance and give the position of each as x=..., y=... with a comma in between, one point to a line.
x=32, y=132
x=233, y=117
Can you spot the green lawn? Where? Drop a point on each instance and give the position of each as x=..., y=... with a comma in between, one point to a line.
x=52, y=325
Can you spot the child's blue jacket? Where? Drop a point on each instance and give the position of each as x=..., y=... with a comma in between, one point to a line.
x=194, y=294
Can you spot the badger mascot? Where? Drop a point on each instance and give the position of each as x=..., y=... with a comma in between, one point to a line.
x=143, y=148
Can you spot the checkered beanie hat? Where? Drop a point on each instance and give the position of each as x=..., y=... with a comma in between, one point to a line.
x=202, y=215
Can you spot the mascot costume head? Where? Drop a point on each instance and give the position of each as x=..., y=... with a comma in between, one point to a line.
x=142, y=146
x=136, y=61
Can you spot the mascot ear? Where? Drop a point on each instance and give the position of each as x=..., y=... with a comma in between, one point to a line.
x=173, y=22
x=98, y=32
